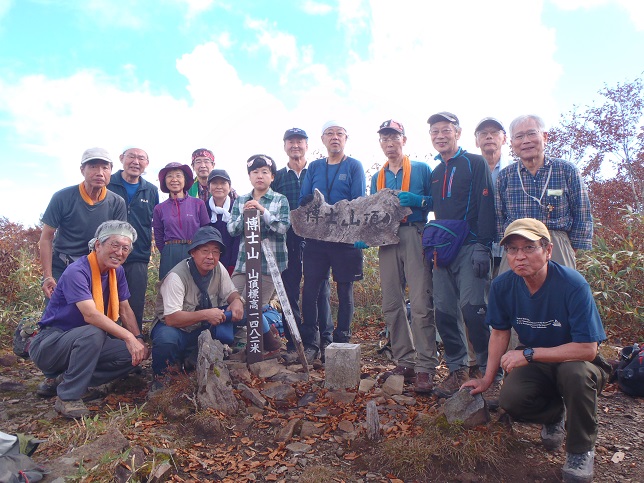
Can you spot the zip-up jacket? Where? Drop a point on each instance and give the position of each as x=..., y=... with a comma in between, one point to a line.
x=462, y=190
x=139, y=214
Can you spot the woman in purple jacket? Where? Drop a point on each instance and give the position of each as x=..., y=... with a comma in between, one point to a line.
x=177, y=219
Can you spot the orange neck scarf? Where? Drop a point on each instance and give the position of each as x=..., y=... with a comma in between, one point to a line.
x=406, y=166
x=85, y=195
x=97, y=289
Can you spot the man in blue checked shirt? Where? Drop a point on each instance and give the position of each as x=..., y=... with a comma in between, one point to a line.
x=547, y=189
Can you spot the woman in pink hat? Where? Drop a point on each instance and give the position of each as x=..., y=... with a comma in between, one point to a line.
x=176, y=220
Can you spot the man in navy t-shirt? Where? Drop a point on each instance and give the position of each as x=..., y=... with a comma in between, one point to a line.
x=556, y=373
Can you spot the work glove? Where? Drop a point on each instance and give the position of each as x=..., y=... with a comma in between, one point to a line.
x=410, y=199
x=481, y=259
x=361, y=245
x=306, y=200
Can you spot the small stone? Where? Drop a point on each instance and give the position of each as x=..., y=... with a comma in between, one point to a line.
x=346, y=426
x=252, y=395
x=404, y=400
x=286, y=433
x=265, y=369
x=470, y=410
x=298, y=447
x=341, y=397
x=307, y=399
x=394, y=385
x=283, y=395
x=366, y=385
x=310, y=429
x=8, y=360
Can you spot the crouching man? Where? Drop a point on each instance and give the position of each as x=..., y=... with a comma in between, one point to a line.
x=555, y=375
x=195, y=295
x=80, y=345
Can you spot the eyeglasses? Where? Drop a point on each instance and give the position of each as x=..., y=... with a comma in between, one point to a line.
x=337, y=134
x=484, y=134
x=393, y=138
x=203, y=162
x=446, y=131
x=177, y=175
x=124, y=248
x=531, y=135
x=266, y=159
x=528, y=249
x=132, y=157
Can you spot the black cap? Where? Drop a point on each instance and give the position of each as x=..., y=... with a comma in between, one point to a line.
x=295, y=131
x=489, y=120
x=218, y=173
x=443, y=116
x=206, y=234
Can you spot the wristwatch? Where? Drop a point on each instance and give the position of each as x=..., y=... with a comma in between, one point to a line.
x=528, y=353
x=423, y=204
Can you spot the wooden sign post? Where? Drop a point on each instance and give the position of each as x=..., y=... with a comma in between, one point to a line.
x=253, y=247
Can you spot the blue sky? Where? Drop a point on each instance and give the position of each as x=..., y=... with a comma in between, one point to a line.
x=171, y=76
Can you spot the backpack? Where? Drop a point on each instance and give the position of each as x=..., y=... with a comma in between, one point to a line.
x=442, y=240
x=26, y=329
x=630, y=371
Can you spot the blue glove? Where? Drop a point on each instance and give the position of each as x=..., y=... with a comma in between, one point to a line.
x=410, y=199
x=361, y=245
x=481, y=259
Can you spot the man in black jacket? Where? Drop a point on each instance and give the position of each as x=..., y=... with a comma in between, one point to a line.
x=461, y=189
x=140, y=197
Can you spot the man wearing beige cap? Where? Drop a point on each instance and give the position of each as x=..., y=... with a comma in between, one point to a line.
x=413, y=347
x=74, y=214
x=555, y=375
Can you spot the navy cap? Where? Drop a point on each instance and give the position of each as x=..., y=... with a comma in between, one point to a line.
x=295, y=131
x=206, y=234
x=443, y=116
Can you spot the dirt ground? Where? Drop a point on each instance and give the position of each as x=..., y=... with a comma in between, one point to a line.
x=244, y=448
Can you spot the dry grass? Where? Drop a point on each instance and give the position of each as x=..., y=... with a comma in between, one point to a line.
x=321, y=474
x=443, y=447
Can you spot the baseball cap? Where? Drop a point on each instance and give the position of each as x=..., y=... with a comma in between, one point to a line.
x=206, y=234
x=218, y=173
x=295, y=131
x=393, y=125
x=443, y=116
x=528, y=228
x=96, y=153
x=332, y=123
x=489, y=120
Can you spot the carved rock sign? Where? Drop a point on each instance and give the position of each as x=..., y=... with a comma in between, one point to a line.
x=372, y=219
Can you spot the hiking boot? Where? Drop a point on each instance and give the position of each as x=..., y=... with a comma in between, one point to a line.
x=491, y=395
x=48, y=387
x=453, y=383
x=311, y=354
x=407, y=372
x=323, y=351
x=579, y=467
x=71, y=409
x=475, y=372
x=552, y=435
x=272, y=340
x=424, y=382
x=290, y=357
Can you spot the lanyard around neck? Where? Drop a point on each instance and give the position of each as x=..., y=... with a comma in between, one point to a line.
x=330, y=187
x=545, y=186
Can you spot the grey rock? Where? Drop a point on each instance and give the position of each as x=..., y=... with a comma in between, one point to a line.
x=298, y=447
x=404, y=400
x=394, y=385
x=310, y=429
x=286, y=433
x=307, y=399
x=281, y=394
x=290, y=377
x=214, y=387
x=374, y=219
x=366, y=385
x=252, y=394
x=342, y=368
x=470, y=410
x=346, y=426
x=341, y=397
x=265, y=369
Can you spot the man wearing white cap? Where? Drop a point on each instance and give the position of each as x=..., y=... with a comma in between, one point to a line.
x=338, y=177
x=74, y=213
x=80, y=344
x=555, y=376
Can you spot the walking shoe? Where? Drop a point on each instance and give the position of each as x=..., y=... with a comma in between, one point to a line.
x=323, y=351
x=491, y=395
x=290, y=357
x=424, y=382
x=71, y=409
x=311, y=354
x=48, y=387
x=407, y=372
x=475, y=372
x=552, y=435
x=579, y=467
x=453, y=383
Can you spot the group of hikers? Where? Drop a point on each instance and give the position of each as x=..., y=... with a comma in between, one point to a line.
x=517, y=322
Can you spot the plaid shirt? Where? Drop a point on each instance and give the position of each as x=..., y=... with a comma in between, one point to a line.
x=565, y=205
x=274, y=224
x=287, y=183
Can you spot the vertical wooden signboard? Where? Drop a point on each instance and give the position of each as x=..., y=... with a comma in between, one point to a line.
x=253, y=247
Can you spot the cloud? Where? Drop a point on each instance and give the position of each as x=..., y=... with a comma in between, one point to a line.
x=316, y=8
x=5, y=6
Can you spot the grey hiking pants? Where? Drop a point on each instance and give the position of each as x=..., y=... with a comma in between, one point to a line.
x=86, y=356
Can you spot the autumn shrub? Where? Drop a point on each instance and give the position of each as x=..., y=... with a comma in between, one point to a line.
x=614, y=269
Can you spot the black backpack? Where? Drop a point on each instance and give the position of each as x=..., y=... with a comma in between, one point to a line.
x=630, y=371
x=25, y=330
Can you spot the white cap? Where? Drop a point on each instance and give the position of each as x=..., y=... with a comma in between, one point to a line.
x=332, y=123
